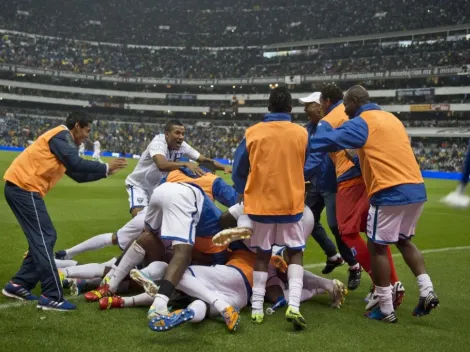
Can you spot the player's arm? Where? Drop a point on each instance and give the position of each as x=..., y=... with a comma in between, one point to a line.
x=223, y=193
x=241, y=167
x=315, y=159
x=158, y=151
x=352, y=134
x=465, y=173
x=193, y=154
x=79, y=169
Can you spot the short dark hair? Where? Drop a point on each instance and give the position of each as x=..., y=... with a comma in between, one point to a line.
x=332, y=92
x=280, y=100
x=169, y=125
x=80, y=117
x=208, y=165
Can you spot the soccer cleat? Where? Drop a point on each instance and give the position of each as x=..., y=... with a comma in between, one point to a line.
x=45, y=303
x=373, y=302
x=376, y=314
x=18, y=292
x=426, y=304
x=231, y=317
x=257, y=317
x=354, y=279
x=111, y=302
x=61, y=255
x=227, y=236
x=77, y=286
x=146, y=282
x=339, y=294
x=172, y=320
x=279, y=263
x=295, y=318
x=332, y=265
x=63, y=281
x=398, y=293
x=100, y=292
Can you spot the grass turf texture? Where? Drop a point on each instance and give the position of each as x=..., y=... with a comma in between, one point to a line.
x=82, y=211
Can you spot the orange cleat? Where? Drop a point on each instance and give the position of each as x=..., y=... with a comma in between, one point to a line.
x=100, y=292
x=111, y=302
x=231, y=317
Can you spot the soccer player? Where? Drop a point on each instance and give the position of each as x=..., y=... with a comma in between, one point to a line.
x=28, y=179
x=271, y=179
x=214, y=186
x=81, y=150
x=162, y=155
x=97, y=151
x=322, y=194
x=352, y=204
x=396, y=191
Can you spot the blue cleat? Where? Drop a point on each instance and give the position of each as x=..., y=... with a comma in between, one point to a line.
x=18, y=292
x=45, y=303
x=426, y=304
x=172, y=320
x=376, y=314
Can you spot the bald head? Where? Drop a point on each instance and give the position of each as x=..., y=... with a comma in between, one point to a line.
x=355, y=97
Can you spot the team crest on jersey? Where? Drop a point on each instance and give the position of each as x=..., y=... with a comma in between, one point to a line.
x=140, y=199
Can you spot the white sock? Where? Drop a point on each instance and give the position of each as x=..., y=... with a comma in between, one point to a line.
x=110, y=262
x=314, y=282
x=385, y=299
x=295, y=274
x=143, y=299
x=86, y=271
x=424, y=284
x=156, y=270
x=134, y=256
x=200, y=310
x=160, y=304
x=220, y=305
x=259, y=290
x=334, y=258
x=64, y=263
x=96, y=242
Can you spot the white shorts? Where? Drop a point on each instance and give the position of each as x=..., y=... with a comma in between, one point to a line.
x=138, y=197
x=265, y=236
x=388, y=224
x=132, y=230
x=225, y=281
x=174, y=212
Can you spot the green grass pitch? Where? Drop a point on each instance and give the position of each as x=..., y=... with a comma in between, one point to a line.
x=81, y=211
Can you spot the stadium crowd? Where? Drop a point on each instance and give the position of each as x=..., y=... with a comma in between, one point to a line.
x=233, y=63
x=213, y=139
x=224, y=22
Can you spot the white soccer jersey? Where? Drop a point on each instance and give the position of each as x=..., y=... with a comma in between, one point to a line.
x=146, y=174
x=81, y=149
x=96, y=147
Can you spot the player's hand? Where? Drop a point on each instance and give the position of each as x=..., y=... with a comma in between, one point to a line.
x=196, y=169
x=228, y=169
x=115, y=165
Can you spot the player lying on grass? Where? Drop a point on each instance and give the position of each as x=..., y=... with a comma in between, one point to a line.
x=181, y=211
x=240, y=227
x=214, y=186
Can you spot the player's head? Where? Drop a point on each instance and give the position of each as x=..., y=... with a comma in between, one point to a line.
x=174, y=134
x=355, y=97
x=330, y=95
x=208, y=166
x=280, y=100
x=312, y=107
x=79, y=124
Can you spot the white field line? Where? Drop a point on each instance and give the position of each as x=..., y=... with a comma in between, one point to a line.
x=307, y=266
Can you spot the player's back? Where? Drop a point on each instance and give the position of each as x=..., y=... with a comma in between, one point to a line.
x=387, y=159
x=275, y=184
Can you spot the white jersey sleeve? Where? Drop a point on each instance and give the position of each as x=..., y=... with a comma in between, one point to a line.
x=158, y=146
x=189, y=151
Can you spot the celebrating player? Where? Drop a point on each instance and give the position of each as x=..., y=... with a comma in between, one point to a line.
x=162, y=156
x=271, y=179
x=396, y=190
x=28, y=179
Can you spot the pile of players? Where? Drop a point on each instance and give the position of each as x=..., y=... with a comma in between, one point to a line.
x=207, y=262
